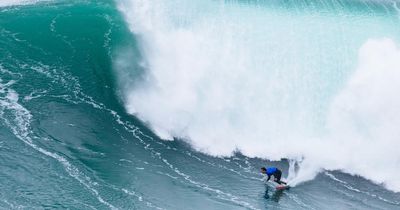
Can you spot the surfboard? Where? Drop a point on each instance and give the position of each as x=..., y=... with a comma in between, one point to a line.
x=282, y=187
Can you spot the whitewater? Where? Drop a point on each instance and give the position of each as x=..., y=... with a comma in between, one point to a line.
x=314, y=84
x=152, y=104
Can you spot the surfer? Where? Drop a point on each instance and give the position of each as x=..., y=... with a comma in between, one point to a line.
x=273, y=171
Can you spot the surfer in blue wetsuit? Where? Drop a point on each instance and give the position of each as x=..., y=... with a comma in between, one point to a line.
x=273, y=171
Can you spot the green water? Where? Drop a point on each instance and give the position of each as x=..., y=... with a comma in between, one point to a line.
x=66, y=141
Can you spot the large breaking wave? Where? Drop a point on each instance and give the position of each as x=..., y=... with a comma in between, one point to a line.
x=315, y=82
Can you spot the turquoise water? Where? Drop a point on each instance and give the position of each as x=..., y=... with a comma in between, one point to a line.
x=72, y=71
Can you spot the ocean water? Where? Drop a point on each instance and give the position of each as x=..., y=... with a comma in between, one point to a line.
x=152, y=104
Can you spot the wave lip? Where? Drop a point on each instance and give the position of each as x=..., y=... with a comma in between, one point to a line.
x=7, y=3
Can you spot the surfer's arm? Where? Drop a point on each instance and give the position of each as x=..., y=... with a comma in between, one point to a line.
x=269, y=177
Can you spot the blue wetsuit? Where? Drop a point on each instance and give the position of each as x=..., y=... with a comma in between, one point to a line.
x=273, y=171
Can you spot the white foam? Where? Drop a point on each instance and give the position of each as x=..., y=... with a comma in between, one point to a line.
x=271, y=84
x=365, y=114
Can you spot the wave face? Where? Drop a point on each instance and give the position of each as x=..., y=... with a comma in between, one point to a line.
x=312, y=81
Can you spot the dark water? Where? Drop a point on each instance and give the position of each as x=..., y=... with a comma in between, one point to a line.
x=66, y=140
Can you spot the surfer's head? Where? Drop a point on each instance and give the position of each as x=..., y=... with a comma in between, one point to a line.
x=263, y=170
